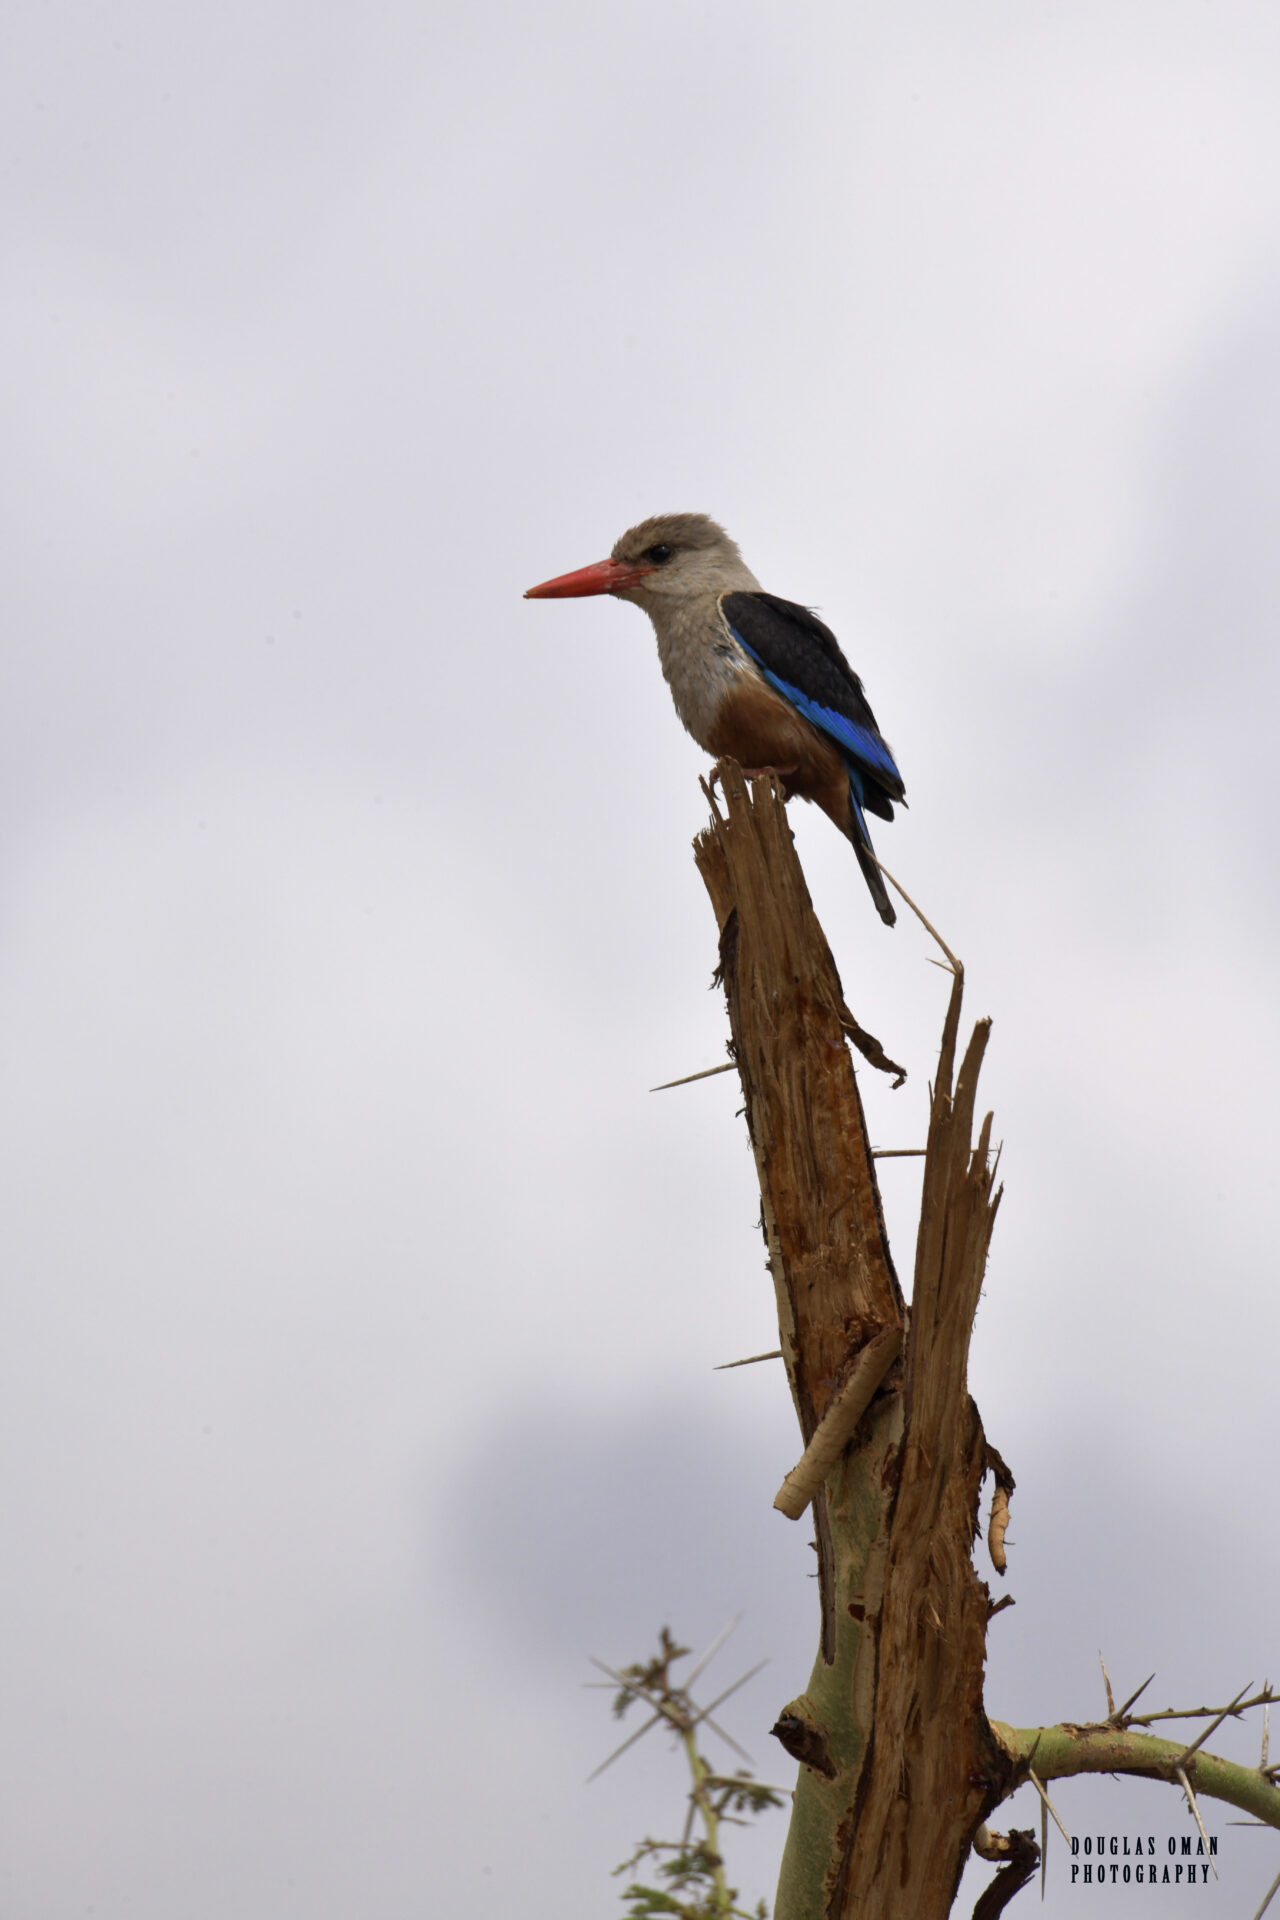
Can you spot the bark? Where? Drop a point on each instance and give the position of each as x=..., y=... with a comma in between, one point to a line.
x=898, y=1763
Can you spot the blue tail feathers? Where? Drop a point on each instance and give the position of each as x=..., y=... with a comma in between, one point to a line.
x=866, y=856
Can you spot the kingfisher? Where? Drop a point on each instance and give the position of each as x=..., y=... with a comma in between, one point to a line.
x=752, y=676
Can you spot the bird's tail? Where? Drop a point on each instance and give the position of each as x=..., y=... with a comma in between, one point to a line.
x=866, y=859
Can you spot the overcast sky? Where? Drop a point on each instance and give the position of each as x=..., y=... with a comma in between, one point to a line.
x=361, y=1303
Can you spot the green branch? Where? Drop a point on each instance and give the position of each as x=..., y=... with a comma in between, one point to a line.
x=697, y=1885
x=1057, y=1752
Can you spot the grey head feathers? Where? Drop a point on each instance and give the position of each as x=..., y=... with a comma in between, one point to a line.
x=686, y=532
x=691, y=556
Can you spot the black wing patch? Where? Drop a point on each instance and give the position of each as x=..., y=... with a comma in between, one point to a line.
x=801, y=657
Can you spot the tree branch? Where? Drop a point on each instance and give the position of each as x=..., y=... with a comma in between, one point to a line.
x=1237, y=1707
x=1065, y=1750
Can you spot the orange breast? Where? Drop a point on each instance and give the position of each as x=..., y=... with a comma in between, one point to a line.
x=760, y=729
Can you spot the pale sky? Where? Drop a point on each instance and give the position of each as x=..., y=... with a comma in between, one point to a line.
x=361, y=1303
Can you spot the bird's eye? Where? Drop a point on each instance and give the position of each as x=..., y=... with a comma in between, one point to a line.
x=659, y=553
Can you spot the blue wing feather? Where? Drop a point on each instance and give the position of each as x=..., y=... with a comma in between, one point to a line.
x=858, y=743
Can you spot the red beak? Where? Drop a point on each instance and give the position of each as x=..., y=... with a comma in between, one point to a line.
x=606, y=576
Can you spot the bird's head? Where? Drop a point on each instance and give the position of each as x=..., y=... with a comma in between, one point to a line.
x=669, y=557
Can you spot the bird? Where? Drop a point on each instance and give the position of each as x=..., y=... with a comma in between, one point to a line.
x=753, y=676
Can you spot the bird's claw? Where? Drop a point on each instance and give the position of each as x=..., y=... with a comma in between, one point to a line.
x=781, y=774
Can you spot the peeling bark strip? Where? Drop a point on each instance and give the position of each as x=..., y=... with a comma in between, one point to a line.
x=899, y=1766
x=838, y=1424
x=998, y=1525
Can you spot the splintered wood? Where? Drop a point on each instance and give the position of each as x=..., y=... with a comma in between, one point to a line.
x=882, y=1828
x=936, y=1769
x=828, y=1253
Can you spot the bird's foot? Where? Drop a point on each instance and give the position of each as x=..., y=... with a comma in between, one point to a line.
x=781, y=774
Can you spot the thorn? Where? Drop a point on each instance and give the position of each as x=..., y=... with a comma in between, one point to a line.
x=1120, y=1712
x=1111, y=1699
x=663, y=1710
x=1274, y=1889
x=750, y=1360
x=704, y=1713
x=705, y=1074
x=641, y=1692
x=1266, y=1737
x=716, y=1644
x=1191, y=1802
x=720, y=1697
x=1212, y=1726
x=1044, y=1844
x=726, y=1737
x=619, y=1751
x=1034, y=1779
x=898, y=1153
x=730, y=1780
